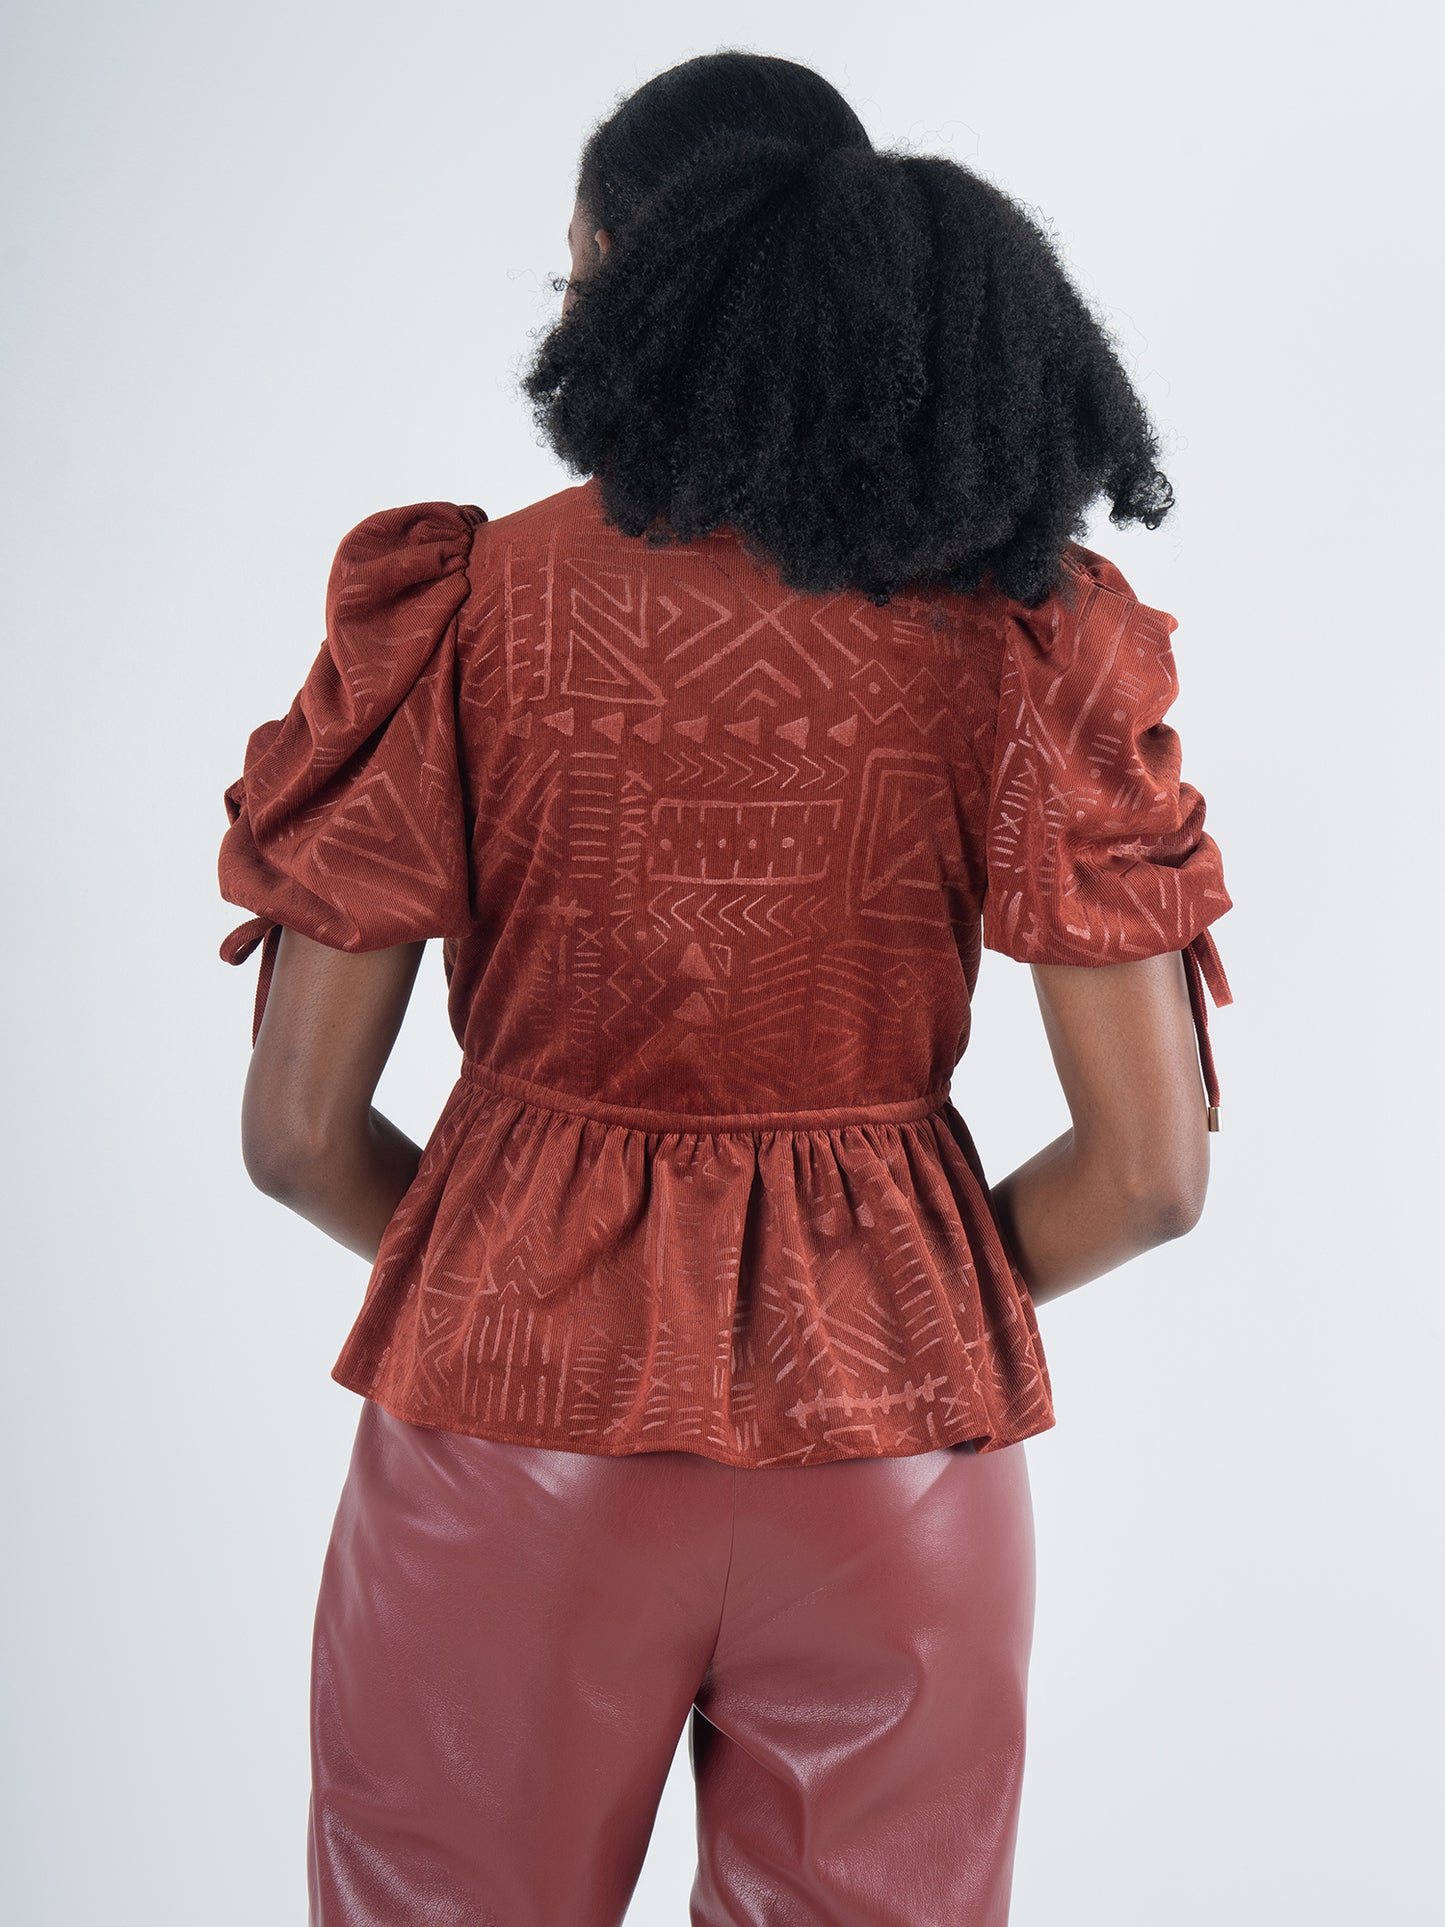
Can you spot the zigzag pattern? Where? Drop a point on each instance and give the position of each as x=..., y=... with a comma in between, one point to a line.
x=713, y=863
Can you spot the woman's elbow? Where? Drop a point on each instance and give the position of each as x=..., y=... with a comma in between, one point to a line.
x=1168, y=1201
x=272, y=1164
x=1173, y=1214
x=1158, y=1175
x=280, y=1148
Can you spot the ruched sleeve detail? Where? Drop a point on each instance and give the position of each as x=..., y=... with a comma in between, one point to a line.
x=349, y=820
x=1096, y=848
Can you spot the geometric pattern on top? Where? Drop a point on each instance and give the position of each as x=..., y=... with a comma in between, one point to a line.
x=712, y=863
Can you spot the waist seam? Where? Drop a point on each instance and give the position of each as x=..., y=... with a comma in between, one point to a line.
x=698, y=1123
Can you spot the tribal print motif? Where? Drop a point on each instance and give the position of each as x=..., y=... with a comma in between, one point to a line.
x=712, y=863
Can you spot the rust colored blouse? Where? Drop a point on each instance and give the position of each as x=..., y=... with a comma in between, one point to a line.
x=712, y=862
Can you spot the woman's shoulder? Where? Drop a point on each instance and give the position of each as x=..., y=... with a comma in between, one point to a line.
x=411, y=536
x=579, y=502
x=1087, y=567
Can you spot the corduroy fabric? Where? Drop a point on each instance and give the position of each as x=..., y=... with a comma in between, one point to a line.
x=712, y=862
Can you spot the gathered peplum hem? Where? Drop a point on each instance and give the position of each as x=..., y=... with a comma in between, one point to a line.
x=776, y=1288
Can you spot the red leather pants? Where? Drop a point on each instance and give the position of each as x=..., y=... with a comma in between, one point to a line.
x=509, y=1640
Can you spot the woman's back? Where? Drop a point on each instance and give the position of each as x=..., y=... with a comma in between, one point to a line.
x=713, y=861
x=733, y=834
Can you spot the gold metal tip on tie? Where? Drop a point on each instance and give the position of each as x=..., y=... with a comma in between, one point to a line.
x=1212, y=1113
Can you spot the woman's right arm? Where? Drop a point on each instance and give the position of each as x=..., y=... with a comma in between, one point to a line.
x=1132, y=1170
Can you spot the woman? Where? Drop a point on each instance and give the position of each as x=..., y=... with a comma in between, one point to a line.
x=698, y=1354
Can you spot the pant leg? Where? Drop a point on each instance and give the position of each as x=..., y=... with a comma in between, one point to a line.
x=858, y=1741
x=508, y=1640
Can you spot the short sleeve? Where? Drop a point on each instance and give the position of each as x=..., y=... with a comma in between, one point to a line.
x=1096, y=847
x=348, y=821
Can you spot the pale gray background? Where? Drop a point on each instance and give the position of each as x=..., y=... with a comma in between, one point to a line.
x=271, y=268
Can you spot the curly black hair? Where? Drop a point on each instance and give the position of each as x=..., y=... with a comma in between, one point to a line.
x=870, y=365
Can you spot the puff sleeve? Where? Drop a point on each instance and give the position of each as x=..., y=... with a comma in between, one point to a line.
x=348, y=821
x=1096, y=849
